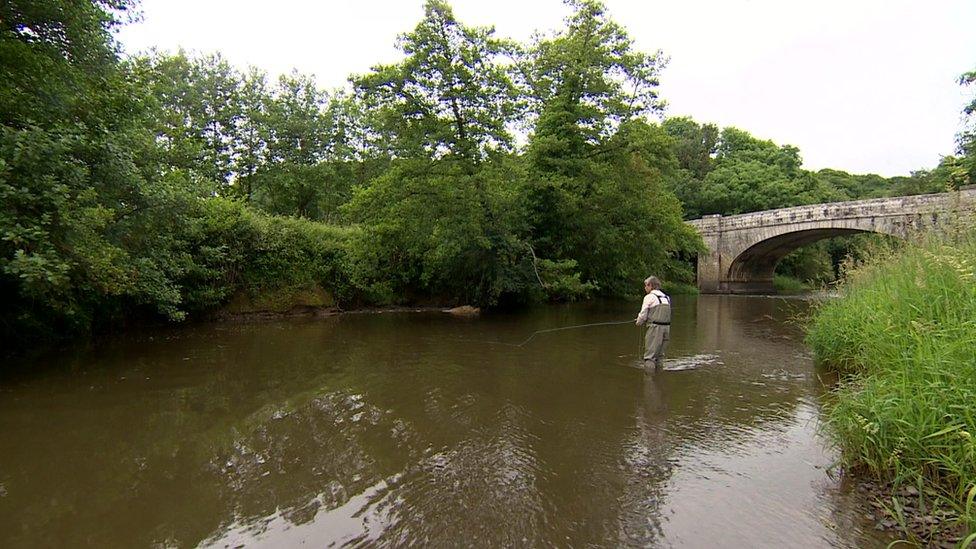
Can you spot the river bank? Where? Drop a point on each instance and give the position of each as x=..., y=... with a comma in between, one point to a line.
x=912, y=514
x=903, y=339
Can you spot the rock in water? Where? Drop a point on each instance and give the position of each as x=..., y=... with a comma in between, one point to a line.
x=464, y=310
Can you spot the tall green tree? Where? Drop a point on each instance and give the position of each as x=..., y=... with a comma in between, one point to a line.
x=297, y=178
x=588, y=78
x=751, y=174
x=443, y=218
x=251, y=149
x=450, y=95
x=196, y=109
x=694, y=146
x=297, y=127
x=630, y=224
x=591, y=148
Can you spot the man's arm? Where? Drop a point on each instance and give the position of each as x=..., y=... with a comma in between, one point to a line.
x=645, y=310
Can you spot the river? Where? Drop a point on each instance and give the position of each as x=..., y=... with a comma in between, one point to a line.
x=426, y=429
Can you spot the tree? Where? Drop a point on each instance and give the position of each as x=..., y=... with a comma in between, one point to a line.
x=966, y=140
x=72, y=186
x=69, y=44
x=596, y=168
x=630, y=224
x=751, y=174
x=297, y=177
x=196, y=111
x=587, y=78
x=450, y=95
x=694, y=146
x=251, y=149
x=442, y=217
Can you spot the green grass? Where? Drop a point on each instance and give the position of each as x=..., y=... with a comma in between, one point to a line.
x=903, y=337
x=790, y=285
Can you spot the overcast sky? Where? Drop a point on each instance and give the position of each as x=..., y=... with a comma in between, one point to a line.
x=858, y=85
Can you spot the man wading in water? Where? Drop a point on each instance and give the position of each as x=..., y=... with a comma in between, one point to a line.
x=655, y=313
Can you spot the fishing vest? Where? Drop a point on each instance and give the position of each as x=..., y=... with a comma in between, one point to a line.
x=660, y=314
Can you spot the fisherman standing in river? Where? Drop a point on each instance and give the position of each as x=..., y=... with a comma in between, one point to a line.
x=655, y=313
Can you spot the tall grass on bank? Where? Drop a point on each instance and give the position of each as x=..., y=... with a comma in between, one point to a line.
x=903, y=336
x=790, y=285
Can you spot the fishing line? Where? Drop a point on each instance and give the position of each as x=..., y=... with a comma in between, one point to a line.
x=546, y=331
x=537, y=332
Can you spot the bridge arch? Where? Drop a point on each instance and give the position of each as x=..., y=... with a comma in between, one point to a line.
x=743, y=250
x=753, y=269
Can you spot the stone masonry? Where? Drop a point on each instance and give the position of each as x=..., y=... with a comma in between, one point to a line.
x=743, y=249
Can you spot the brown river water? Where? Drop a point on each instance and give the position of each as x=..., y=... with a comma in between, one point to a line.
x=425, y=429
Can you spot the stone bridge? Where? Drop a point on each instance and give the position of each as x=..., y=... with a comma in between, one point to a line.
x=743, y=249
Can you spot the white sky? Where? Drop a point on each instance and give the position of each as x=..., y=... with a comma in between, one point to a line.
x=858, y=85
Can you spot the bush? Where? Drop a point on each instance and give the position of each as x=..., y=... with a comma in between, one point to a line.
x=234, y=248
x=562, y=280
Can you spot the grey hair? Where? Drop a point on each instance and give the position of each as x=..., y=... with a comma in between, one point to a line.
x=653, y=282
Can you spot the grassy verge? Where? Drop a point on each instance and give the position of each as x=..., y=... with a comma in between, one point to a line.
x=903, y=337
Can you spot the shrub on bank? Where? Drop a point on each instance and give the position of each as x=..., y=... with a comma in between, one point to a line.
x=192, y=256
x=236, y=249
x=903, y=336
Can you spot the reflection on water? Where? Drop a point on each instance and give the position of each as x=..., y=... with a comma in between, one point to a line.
x=399, y=429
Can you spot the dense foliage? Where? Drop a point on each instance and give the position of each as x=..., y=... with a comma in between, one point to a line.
x=474, y=170
x=74, y=173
